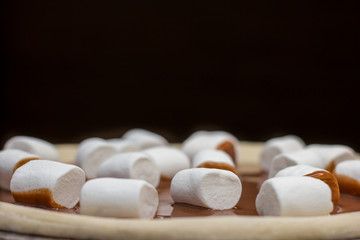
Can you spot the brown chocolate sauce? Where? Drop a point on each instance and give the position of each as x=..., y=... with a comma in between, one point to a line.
x=245, y=207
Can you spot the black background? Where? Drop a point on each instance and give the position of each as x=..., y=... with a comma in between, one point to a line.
x=75, y=69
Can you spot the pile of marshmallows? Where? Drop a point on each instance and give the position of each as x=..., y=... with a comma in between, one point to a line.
x=122, y=174
x=305, y=180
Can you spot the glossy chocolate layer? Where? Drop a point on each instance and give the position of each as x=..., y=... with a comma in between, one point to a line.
x=245, y=207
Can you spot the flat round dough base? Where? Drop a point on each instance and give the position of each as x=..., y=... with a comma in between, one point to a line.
x=28, y=220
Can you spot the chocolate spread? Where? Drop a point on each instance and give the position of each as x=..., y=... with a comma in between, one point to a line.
x=245, y=207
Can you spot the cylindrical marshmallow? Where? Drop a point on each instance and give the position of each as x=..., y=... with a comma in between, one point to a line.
x=348, y=176
x=169, y=160
x=88, y=140
x=48, y=183
x=10, y=160
x=123, y=198
x=212, y=158
x=319, y=173
x=304, y=156
x=144, y=138
x=220, y=140
x=294, y=196
x=276, y=146
x=36, y=146
x=210, y=188
x=332, y=154
x=91, y=154
x=123, y=145
x=133, y=165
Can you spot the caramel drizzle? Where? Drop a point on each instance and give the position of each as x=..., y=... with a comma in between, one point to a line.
x=228, y=147
x=41, y=196
x=218, y=165
x=331, y=181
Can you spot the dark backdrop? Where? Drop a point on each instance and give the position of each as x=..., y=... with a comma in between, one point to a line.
x=74, y=69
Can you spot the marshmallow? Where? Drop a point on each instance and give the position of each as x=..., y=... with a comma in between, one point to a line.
x=219, y=140
x=114, y=197
x=130, y=165
x=348, y=176
x=211, y=158
x=10, y=160
x=38, y=147
x=123, y=145
x=48, y=183
x=276, y=146
x=210, y=188
x=169, y=160
x=88, y=140
x=144, y=138
x=91, y=154
x=294, y=196
x=321, y=174
x=304, y=156
x=333, y=154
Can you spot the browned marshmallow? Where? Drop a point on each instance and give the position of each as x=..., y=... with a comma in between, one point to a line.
x=294, y=196
x=211, y=158
x=321, y=174
x=47, y=183
x=219, y=140
x=348, y=176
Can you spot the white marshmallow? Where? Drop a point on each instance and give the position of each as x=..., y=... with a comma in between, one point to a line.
x=276, y=146
x=114, y=197
x=36, y=146
x=91, y=154
x=319, y=173
x=169, y=160
x=333, y=154
x=123, y=145
x=144, y=138
x=211, y=155
x=298, y=171
x=294, y=196
x=88, y=140
x=348, y=176
x=209, y=139
x=304, y=156
x=10, y=160
x=205, y=187
x=133, y=165
x=349, y=168
x=48, y=183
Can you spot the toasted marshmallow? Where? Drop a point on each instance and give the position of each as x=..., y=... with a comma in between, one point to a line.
x=210, y=188
x=144, y=138
x=332, y=154
x=123, y=198
x=10, y=160
x=304, y=156
x=169, y=160
x=211, y=158
x=123, y=145
x=91, y=154
x=319, y=173
x=348, y=176
x=294, y=196
x=36, y=146
x=276, y=146
x=48, y=183
x=133, y=165
x=219, y=140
